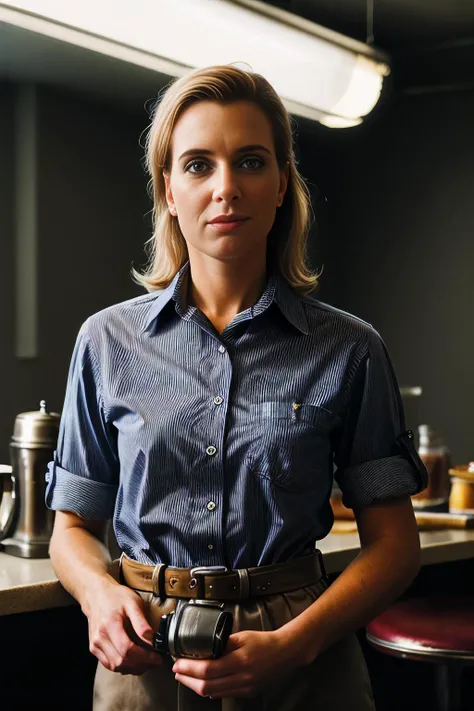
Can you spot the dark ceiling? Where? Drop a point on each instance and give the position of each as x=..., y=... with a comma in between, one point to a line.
x=431, y=41
x=398, y=24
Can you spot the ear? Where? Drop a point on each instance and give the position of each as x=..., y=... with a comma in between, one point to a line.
x=284, y=176
x=169, y=194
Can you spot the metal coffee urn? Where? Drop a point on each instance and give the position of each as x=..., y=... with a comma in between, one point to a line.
x=26, y=523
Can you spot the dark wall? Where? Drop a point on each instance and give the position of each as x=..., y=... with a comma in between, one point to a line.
x=400, y=245
x=8, y=381
x=394, y=232
x=92, y=225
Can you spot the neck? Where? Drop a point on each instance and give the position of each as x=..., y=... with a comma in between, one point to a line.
x=221, y=290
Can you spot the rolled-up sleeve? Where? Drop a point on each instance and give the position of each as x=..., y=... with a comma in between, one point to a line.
x=375, y=456
x=83, y=476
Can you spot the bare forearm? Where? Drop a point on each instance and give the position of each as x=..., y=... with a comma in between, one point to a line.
x=379, y=574
x=116, y=614
x=81, y=561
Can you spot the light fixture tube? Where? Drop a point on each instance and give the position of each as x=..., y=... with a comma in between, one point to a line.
x=320, y=74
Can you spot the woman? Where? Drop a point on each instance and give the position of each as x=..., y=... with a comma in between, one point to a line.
x=205, y=417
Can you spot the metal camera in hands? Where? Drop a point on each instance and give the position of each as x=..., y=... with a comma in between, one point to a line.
x=197, y=629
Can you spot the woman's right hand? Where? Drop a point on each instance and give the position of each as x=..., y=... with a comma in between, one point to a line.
x=119, y=633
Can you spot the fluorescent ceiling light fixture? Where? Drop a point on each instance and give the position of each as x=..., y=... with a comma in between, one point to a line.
x=319, y=74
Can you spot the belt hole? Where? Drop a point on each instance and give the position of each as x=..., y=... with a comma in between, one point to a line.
x=192, y=583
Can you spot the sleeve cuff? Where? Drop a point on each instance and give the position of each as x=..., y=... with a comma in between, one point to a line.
x=379, y=479
x=85, y=497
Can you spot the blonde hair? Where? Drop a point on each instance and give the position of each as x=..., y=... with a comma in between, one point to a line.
x=287, y=240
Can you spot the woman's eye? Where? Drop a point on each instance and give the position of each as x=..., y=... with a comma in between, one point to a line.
x=255, y=163
x=197, y=165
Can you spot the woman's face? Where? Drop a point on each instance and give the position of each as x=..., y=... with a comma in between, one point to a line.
x=223, y=163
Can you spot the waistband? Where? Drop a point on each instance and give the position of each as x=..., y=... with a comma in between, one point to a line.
x=220, y=583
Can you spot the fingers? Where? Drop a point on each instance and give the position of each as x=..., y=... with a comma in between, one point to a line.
x=117, y=652
x=134, y=660
x=218, y=678
x=106, y=654
x=233, y=685
x=138, y=620
x=235, y=641
x=124, y=639
x=207, y=668
x=234, y=674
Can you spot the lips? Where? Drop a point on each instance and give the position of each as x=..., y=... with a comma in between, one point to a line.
x=228, y=223
x=228, y=218
x=226, y=226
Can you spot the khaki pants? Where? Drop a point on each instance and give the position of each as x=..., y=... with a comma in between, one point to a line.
x=336, y=681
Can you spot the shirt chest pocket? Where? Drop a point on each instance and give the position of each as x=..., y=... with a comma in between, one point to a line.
x=291, y=447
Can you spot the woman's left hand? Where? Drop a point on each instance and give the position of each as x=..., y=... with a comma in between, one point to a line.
x=251, y=661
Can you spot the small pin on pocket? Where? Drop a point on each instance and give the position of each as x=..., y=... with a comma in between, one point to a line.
x=295, y=406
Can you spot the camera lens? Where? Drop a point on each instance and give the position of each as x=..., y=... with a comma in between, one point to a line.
x=223, y=629
x=198, y=631
x=202, y=632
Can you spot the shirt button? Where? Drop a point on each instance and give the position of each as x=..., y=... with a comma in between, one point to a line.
x=211, y=505
x=221, y=349
x=211, y=450
x=211, y=547
x=218, y=400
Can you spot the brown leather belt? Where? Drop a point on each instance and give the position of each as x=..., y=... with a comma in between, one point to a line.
x=220, y=583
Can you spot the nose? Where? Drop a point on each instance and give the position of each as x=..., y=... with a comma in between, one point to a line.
x=226, y=186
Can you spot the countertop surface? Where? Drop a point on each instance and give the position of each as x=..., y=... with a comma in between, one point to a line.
x=27, y=585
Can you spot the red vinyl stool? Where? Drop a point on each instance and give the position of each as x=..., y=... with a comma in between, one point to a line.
x=430, y=629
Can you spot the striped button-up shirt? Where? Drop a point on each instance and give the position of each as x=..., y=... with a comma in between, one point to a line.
x=220, y=449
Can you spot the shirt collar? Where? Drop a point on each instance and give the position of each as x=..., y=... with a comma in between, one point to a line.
x=290, y=304
x=276, y=290
x=174, y=291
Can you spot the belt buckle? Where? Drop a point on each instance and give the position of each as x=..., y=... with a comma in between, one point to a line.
x=199, y=572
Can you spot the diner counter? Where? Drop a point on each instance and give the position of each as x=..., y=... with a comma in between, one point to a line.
x=27, y=585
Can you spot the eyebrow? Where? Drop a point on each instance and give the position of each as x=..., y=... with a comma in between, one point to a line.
x=206, y=152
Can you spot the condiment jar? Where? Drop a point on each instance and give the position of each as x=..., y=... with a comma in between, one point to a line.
x=437, y=460
x=461, y=498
